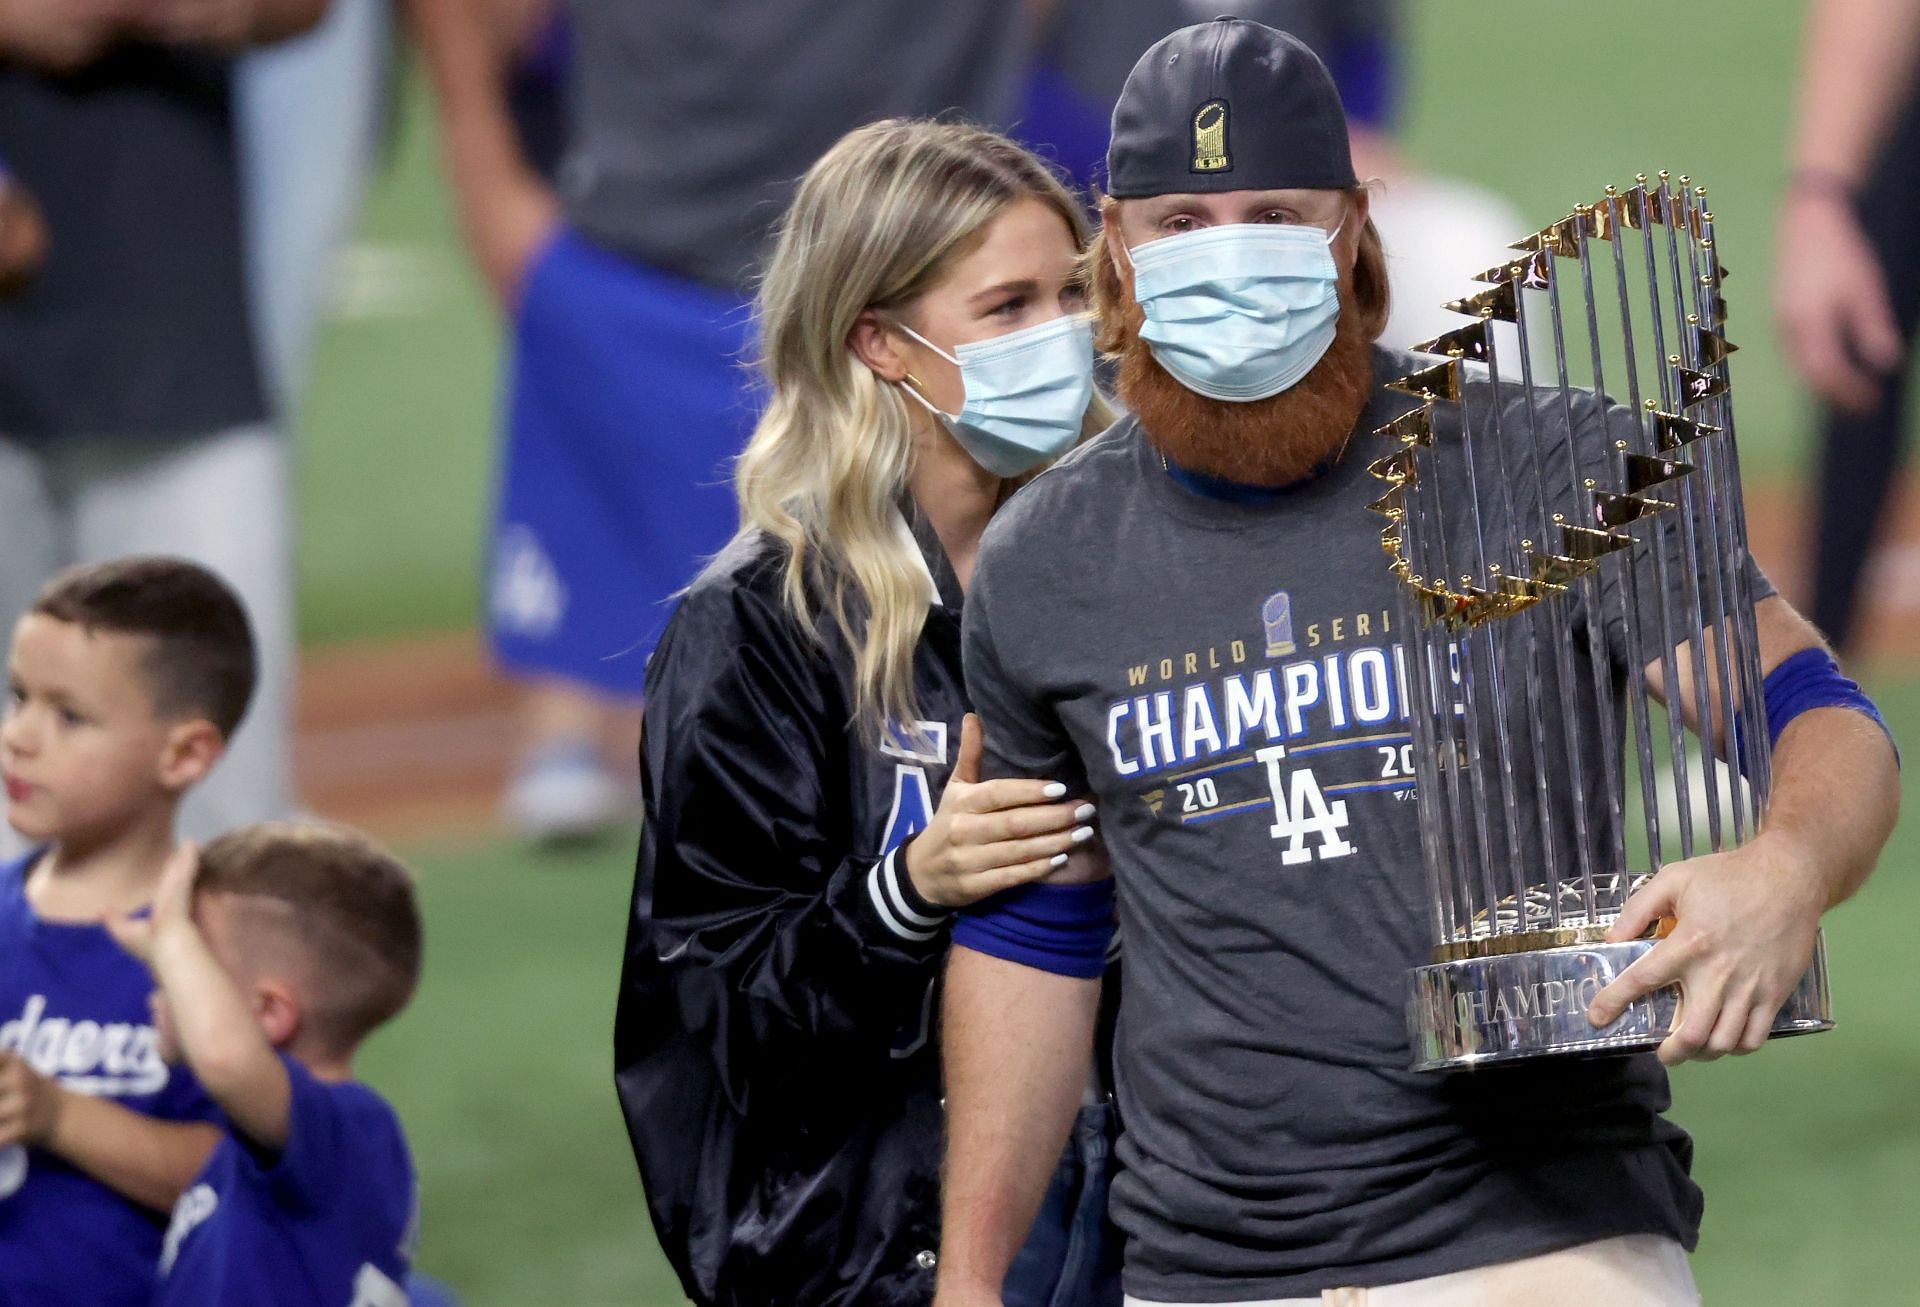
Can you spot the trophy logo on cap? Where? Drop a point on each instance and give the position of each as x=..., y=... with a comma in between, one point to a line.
x=1549, y=547
x=1210, y=138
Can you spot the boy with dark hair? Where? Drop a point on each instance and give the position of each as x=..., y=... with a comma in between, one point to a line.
x=276, y=952
x=126, y=680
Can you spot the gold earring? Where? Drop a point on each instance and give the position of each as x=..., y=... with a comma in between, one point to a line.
x=916, y=383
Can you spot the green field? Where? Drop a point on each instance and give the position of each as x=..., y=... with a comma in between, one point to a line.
x=501, y=1069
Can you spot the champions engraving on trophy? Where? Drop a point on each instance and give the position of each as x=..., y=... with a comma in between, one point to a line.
x=1550, y=546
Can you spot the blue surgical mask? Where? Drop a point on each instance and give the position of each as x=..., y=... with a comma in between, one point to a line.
x=1238, y=312
x=1026, y=393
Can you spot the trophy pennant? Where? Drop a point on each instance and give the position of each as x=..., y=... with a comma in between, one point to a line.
x=1494, y=302
x=1697, y=387
x=1710, y=347
x=1470, y=342
x=1672, y=431
x=1645, y=471
x=1414, y=427
x=1439, y=382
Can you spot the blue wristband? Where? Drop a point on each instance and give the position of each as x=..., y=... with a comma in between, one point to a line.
x=1064, y=929
x=1811, y=679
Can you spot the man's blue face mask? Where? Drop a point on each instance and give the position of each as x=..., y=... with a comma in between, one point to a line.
x=1238, y=312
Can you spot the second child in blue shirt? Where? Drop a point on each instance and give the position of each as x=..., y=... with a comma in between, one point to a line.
x=276, y=951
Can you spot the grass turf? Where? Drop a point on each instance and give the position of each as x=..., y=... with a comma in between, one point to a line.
x=501, y=1071
x=1545, y=103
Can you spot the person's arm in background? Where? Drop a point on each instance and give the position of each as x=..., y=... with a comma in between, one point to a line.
x=1830, y=293
x=64, y=36
x=226, y=25
x=506, y=210
x=1744, y=920
x=60, y=36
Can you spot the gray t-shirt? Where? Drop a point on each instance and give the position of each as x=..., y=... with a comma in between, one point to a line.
x=1248, y=759
x=693, y=121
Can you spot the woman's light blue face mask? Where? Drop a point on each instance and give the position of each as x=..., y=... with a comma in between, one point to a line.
x=1026, y=393
x=1242, y=311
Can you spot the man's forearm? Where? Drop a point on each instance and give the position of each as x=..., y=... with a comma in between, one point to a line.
x=1836, y=784
x=1018, y=1046
x=149, y=1161
x=1836, y=789
x=1860, y=62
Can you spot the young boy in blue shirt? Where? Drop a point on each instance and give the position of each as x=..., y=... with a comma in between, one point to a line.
x=126, y=679
x=276, y=951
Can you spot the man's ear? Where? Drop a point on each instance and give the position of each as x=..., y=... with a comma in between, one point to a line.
x=875, y=342
x=1360, y=204
x=1116, y=245
x=189, y=753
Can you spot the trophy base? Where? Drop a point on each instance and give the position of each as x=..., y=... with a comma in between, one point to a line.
x=1470, y=1012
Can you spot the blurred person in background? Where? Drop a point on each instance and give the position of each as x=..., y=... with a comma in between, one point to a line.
x=625, y=285
x=133, y=415
x=309, y=114
x=1847, y=294
x=1438, y=231
x=499, y=71
x=925, y=351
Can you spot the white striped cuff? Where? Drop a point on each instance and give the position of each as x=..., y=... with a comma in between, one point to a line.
x=901, y=910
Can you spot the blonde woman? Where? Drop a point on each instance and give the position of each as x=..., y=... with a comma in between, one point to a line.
x=814, y=804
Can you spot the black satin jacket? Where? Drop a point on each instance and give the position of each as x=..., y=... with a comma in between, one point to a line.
x=774, y=1051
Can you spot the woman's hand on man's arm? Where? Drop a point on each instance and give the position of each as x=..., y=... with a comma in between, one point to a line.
x=989, y=836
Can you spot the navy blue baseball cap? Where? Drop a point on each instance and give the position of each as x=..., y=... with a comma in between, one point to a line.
x=1229, y=105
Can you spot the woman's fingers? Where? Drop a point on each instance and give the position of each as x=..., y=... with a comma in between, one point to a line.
x=966, y=768
x=998, y=796
x=1020, y=823
x=1010, y=853
x=988, y=883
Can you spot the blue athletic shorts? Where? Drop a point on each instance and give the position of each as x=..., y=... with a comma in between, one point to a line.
x=629, y=395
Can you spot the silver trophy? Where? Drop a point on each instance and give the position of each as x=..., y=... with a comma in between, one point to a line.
x=1545, y=547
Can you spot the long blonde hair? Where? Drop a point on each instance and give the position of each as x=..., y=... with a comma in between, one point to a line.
x=875, y=223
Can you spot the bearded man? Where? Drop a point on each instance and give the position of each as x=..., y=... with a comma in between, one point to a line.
x=1190, y=618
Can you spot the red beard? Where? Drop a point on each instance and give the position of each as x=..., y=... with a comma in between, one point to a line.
x=1265, y=442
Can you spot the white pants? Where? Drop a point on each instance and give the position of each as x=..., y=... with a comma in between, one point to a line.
x=1635, y=1270
x=222, y=501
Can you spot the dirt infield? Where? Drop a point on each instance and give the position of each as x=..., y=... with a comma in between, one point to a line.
x=409, y=739
x=414, y=739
